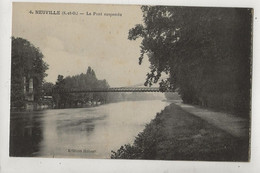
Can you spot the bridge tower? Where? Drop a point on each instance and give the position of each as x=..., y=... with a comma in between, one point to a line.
x=29, y=95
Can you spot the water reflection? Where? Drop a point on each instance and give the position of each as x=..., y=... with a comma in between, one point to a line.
x=25, y=134
x=84, y=132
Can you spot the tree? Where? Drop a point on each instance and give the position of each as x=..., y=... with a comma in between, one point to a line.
x=47, y=87
x=59, y=98
x=27, y=61
x=205, y=51
x=82, y=81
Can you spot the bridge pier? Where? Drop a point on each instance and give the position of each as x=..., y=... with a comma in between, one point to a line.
x=29, y=95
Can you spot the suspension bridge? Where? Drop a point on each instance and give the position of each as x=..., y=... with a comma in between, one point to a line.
x=134, y=88
x=113, y=89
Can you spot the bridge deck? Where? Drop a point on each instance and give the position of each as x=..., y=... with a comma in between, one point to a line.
x=121, y=89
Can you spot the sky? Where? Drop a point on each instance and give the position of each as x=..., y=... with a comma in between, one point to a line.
x=71, y=43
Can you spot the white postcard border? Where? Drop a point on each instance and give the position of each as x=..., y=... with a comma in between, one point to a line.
x=29, y=165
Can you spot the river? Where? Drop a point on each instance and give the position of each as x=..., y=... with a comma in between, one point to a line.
x=80, y=132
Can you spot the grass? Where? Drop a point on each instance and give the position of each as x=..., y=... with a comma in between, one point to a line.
x=178, y=135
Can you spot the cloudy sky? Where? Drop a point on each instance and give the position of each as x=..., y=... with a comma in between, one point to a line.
x=72, y=43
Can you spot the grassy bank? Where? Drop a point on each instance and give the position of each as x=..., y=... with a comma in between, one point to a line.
x=177, y=135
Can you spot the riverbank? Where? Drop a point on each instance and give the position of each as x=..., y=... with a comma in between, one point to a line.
x=38, y=107
x=176, y=134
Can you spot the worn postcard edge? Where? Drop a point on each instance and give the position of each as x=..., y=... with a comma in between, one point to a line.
x=56, y=165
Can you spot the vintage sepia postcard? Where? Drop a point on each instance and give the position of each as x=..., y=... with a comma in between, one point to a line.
x=130, y=82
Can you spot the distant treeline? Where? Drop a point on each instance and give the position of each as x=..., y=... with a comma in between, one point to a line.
x=80, y=82
x=85, y=81
x=206, y=52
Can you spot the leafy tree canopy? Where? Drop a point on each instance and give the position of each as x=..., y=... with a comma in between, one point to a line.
x=79, y=82
x=27, y=61
x=205, y=51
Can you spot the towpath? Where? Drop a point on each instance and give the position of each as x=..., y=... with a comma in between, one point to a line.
x=234, y=125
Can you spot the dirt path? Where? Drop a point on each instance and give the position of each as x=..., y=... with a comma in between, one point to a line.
x=236, y=126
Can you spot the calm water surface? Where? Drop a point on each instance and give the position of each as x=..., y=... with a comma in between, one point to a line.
x=80, y=132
